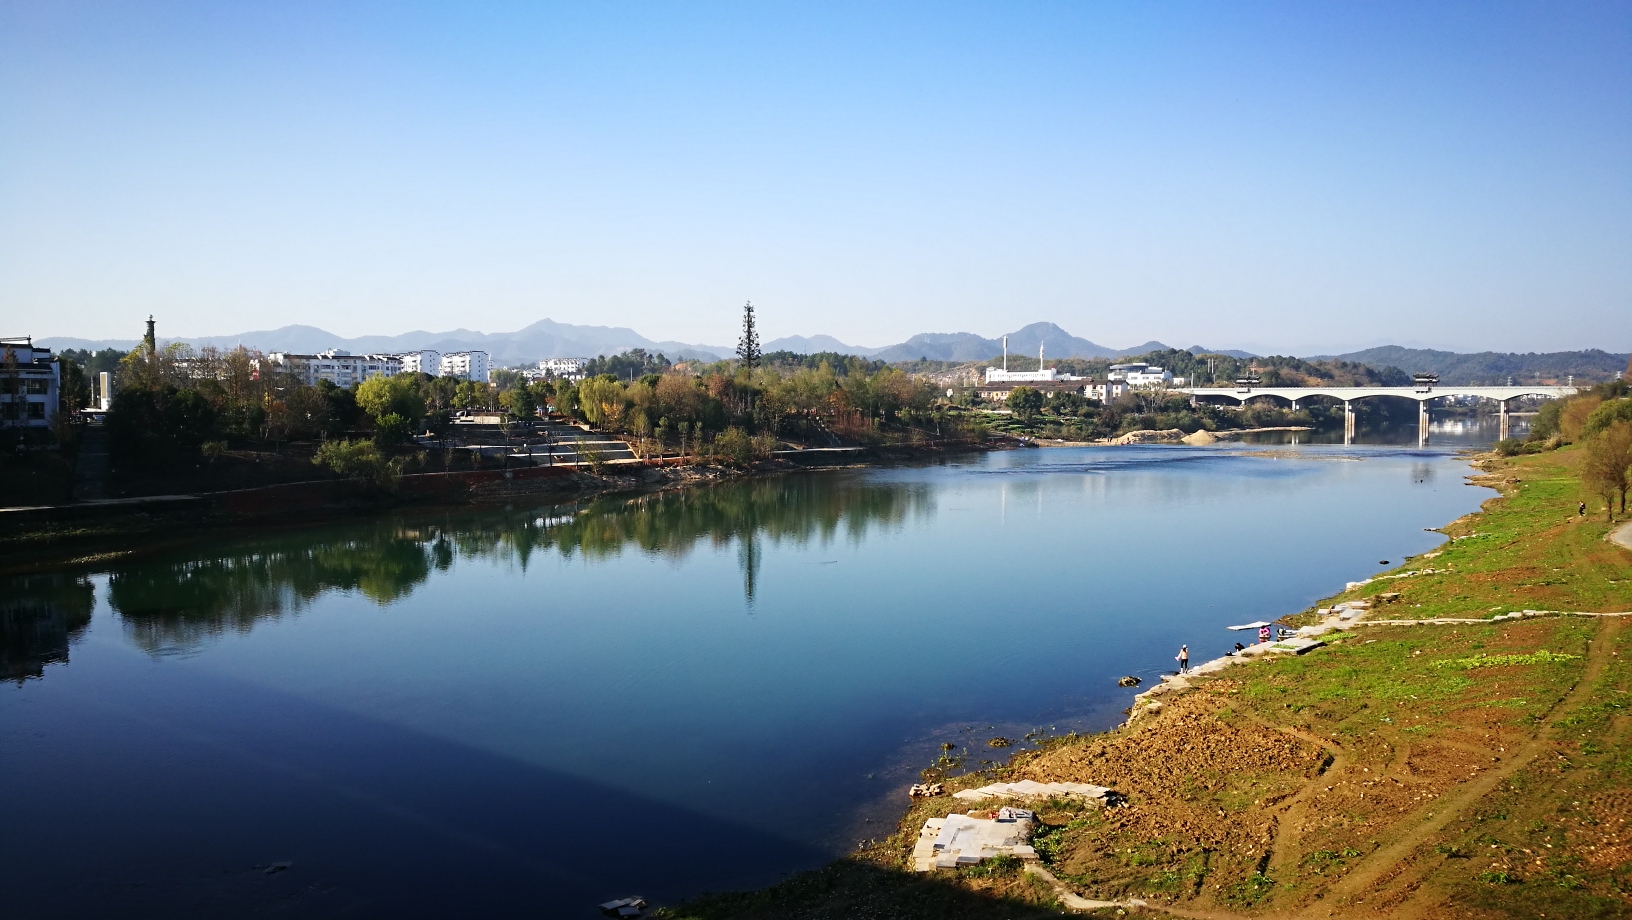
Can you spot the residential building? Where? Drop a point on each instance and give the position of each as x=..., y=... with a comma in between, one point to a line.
x=30, y=382
x=570, y=368
x=424, y=361
x=1141, y=375
x=342, y=368
x=470, y=365
x=1107, y=391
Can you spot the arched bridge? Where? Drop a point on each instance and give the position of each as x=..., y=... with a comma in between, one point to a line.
x=1349, y=395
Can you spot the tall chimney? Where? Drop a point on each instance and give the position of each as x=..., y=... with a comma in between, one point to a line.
x=1005, y=352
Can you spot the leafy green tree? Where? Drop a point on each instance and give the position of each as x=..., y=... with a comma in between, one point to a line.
x=394, y=430
x=1616, y=410
x=1025, y=402
x=601, y=400
x=1604, y=469
x=396, y=395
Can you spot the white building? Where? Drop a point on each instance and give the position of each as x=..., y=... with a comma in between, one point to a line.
x=28, y=395
x=470, y=365
x=1141, y=375
x=342, y=368
x=424, y=361
x=1042, y=375
x=570, y=368
x=1107, y=391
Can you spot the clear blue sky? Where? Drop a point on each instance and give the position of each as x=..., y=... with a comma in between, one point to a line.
x=1281, y=176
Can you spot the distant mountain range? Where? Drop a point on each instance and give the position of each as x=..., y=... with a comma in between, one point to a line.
x=1490, y=367
x=967, y=346
x=543, y=339
x=549, y=339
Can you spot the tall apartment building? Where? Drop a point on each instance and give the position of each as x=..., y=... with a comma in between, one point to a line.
x=342, y=368
x=424, y=361
x=470, y=365
x=28, y=392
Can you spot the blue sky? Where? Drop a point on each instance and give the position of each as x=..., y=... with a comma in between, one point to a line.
x=1291, y=177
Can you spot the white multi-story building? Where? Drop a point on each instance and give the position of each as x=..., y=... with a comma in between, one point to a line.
x=342, y=368
x=470, y=365
x=30, y=387
x=423, y=361
x=1141, y=375
x=570, y=368
x=1107, y=391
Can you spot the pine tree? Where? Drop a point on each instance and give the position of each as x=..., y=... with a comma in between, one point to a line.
x=748, y=345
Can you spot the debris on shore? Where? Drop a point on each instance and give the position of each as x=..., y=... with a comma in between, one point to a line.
x=965, y=840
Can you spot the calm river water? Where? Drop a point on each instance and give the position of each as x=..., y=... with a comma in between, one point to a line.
x=523, y=712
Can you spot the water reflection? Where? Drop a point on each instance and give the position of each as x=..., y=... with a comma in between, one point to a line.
x=170, y=607
x=173, y=606
x=40, y=615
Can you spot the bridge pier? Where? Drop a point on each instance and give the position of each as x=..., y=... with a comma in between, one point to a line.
x=1502, y=435
x=1348, y=422
x=1422, y=423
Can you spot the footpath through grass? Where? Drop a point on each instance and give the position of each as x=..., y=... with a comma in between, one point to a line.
x=1469, y=770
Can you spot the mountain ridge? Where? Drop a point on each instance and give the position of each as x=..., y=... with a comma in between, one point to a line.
x=550, y=339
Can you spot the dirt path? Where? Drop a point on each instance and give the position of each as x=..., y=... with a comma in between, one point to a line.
x=1288, y=825
x=1380, y=864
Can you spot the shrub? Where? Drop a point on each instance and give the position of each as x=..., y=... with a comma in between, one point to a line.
x=359, y=460
x=394, y=430
x=734, y=447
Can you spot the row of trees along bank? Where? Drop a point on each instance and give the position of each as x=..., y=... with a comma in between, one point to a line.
x=1600, y=421
x=184, y=420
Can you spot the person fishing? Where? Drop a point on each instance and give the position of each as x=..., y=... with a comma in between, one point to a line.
x=1183, y=658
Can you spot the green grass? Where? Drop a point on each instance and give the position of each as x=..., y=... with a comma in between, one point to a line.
x=1527, y=550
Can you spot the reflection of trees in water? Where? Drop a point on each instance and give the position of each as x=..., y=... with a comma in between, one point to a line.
x=171, y=607
x=793, y=509
x=39, y=616
x=174, y=606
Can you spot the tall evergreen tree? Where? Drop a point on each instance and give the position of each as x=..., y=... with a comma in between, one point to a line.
x=748, y=345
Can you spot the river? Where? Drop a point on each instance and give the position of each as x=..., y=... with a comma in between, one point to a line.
x=525, y=711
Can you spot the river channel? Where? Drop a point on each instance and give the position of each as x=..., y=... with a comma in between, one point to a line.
x=524, y=711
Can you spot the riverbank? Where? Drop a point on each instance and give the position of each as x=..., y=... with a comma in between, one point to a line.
x=45, y=537
x=1473, y=768
x=1201, y=437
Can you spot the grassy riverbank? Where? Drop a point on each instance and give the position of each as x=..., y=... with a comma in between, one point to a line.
x=1458, y=770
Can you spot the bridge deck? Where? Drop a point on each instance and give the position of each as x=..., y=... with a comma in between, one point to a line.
x=1420, y=394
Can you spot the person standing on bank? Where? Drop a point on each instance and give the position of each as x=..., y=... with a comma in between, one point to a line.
x=1183, y=657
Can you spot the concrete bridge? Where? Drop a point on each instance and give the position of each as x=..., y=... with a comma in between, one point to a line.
x=1349, y=395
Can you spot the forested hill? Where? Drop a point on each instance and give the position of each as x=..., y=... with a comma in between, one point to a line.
x=1490, y=367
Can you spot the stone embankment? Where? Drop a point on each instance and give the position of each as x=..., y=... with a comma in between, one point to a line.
x=1332, y=619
